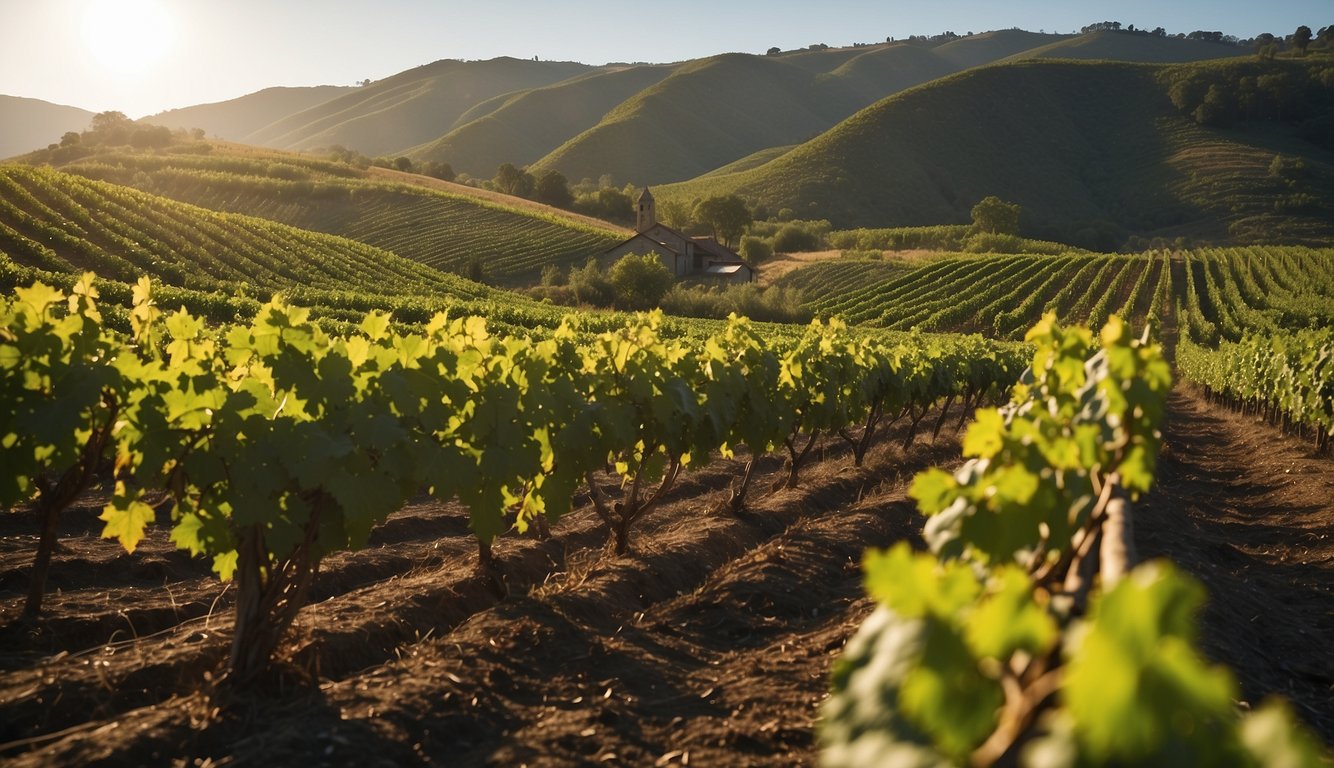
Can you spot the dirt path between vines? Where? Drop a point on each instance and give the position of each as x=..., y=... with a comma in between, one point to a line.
x=709, y=645
x=1250, y=513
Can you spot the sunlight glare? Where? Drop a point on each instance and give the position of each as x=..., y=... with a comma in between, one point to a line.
x=127, y=37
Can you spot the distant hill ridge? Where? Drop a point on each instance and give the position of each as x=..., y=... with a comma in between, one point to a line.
x=1093, y=152
x=33, y=123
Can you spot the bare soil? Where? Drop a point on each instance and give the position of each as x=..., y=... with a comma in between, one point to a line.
x=709, y=644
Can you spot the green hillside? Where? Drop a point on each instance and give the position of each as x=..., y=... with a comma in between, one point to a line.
x=706, y=114
x=712, y=112
x=64, y=224
x=522, y=128
x=1112, y=45
x=410, y=108
x=236, y=119
x=32, y=123
x=440, y=228
x=1231, y=289
x=1094, y=153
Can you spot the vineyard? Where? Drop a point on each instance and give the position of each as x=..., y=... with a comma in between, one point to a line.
x=394, y=515
x=445, y=230
x=1230, y=289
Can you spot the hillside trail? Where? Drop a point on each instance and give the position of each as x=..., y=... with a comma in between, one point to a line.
x=1250, y=513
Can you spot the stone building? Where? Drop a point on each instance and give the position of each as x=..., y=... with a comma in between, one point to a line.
x=683, y=255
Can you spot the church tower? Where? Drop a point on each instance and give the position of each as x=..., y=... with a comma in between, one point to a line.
x=646, y=213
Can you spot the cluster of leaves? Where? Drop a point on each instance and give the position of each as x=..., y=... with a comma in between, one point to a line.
x=1286, y=376
x=1024, y=636
x=280, y=443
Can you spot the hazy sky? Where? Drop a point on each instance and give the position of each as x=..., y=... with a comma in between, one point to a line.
x=144, y=56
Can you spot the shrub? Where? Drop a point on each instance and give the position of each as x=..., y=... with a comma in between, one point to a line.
x=590, y=285
x=755, y=249
x=640, y=282
x=793, y=238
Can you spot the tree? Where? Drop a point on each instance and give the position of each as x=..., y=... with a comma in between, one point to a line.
x=513, y=181
x=773, y=51
x=1301, y=39
x=675, y=213
x=553, y=188
x=726, y=215
x=474, y=269
x=640, y=282
x=590, y=285
x=995, y=215
x=150, y=136
x=70, y=139
x=436, y=170
x=111, y=128
x=402, y=164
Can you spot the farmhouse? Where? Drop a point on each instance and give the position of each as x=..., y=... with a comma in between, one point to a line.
x=682, y=254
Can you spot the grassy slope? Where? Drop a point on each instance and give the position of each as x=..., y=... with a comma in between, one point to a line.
x=66, y=223
x=714, y=111
x=1125, y=46
x=236, y=119
x=443, y=228
x=410, y=108
x=32, y=123
x=1079, y=145
x=522, y=128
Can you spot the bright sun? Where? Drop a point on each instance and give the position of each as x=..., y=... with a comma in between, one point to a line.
x=127, y=37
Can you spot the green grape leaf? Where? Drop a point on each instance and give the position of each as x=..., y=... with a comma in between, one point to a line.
x=125, y=519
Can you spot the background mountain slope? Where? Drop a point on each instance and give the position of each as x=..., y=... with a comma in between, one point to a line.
x=235, y=119
x=400, y=112
x=521, y=128
x=1092, y=151
x=32, y=123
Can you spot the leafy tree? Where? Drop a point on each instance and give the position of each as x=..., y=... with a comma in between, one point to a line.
x=726, y=215
x=794, y=238
x=150, y=136
x=675, y=213
x=995, y=215
x=1301, y=39
x=773, y=51
x=755, y=249
x=111, y=128
x=436, y=170
x=514, y=181
x=553, y=275
x=610, y=204
x=640, y=282
x=402, y=164
x=553, y=188
x=70, y=139
x=590, y=285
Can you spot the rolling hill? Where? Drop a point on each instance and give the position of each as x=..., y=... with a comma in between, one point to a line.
x=712, y=112
x=32, y=123
x=235, y=119
x=1094, y=152
x=522, y=128
x=1109, y=45
x=445, y=226
x=411, y=108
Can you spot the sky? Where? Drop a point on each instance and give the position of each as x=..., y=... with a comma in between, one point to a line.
x=145, y=56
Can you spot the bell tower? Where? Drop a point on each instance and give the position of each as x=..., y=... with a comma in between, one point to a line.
x=646, y=213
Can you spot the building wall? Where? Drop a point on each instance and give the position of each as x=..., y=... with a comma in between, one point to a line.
x=676, y=264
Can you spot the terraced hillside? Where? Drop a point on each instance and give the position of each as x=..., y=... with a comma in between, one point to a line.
x=1094, y=153
x=443, y=226
x=1228, y=291
x=220, y=266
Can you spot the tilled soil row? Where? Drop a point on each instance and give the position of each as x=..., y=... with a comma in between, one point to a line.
x=364, y=626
